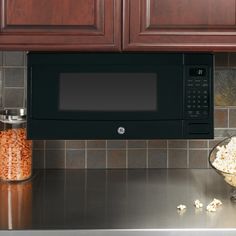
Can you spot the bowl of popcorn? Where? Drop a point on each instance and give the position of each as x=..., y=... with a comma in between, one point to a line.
x=222, y=159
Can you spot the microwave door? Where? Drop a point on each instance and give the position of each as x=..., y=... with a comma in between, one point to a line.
x=114, y=93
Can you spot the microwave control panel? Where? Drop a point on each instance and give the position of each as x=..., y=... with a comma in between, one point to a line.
x=197, y=87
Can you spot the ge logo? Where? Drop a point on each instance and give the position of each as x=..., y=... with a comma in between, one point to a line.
x=121, y=130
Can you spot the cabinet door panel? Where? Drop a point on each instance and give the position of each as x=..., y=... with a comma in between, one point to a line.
x=174, y=25
x=192, y=13
x=49, y=12
x=61, y=25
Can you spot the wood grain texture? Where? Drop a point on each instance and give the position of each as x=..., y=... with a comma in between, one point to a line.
x=180, y=25
x=61, y=25
x=50, y=12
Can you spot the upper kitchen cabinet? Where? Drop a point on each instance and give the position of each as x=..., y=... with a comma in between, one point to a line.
x=179, y=25
x=85, y=25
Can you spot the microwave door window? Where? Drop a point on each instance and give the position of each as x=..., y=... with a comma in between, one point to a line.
x=108, y=92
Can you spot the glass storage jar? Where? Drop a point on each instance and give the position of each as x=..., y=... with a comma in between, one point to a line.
x=15, y=149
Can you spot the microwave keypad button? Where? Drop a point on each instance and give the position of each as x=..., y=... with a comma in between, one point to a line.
x=190, y=84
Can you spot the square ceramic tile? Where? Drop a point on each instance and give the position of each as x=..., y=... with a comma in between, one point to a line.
x=137, y=144
x=198, y=144
x=116, y=158
x=137, y=158
x=157, y=143
x=93, y=144
x=177, y=143
x=14, y=58
x=13, y=98
x=214, y=142
x=38, y=144
x=223, y=133
x=225, y=87
x=221, y=118
x=55, y=144
x=14, y=77
x=116, y=144
x=232, y=118
x=198, y=159
x=75, y=144
x=75, y=159
x=55, y=159
x=96, y=159
x=157, y=158
x=177, y=158
x=38, y=159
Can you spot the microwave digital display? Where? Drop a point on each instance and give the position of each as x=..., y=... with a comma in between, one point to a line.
x=197, y=72
x=108, y=92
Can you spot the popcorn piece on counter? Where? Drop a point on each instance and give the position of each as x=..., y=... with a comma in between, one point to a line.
x=212, y=206
x=217, y=202
x=198, y=204
x=181, y=207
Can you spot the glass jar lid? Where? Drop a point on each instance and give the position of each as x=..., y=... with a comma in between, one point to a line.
x=13, y=116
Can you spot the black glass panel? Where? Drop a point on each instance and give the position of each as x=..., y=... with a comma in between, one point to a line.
x=108, y=91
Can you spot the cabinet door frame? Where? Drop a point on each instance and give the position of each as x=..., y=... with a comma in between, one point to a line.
x=140, y=35
x=103, y=35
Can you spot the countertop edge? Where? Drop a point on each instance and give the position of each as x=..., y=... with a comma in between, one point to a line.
x=123, y=232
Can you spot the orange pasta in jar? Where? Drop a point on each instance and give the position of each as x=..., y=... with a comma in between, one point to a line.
x=15, y=149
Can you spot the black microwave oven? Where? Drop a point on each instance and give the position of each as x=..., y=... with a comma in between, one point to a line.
x=120, y=95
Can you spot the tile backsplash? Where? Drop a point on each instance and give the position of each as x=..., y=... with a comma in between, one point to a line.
x=125, y=153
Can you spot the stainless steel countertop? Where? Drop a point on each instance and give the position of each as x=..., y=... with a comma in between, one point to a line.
x=116, y=202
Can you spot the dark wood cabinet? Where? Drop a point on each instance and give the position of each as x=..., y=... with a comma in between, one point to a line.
x=85, y=25
x=96, y=25
x=179, y=25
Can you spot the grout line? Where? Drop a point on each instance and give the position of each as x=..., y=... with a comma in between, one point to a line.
x=126, y=156
x=225, y=107
x=65, y=154
x=13, y=67
x=147, y=153
x=20, y=87
x=187, y=154
x=228, y=118
x=86, y=155
x=225, y=128
x=44, y=154
x=167, y=154
x=208, y=152
x=194, y=148
x=106, y=154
